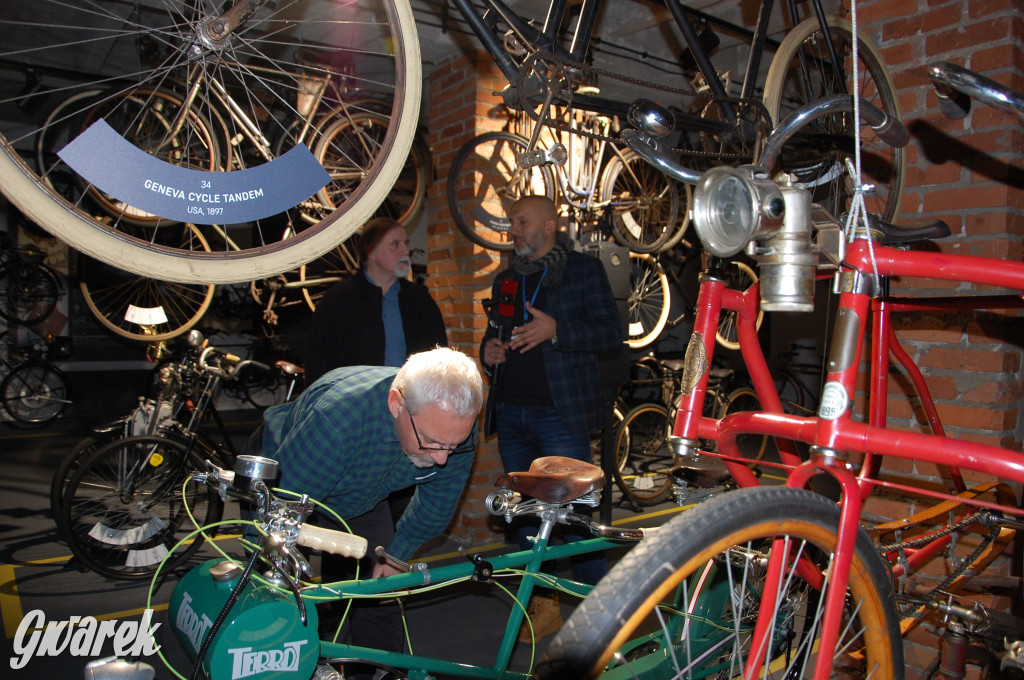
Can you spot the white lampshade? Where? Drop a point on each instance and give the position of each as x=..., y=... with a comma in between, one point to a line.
x=145, y=316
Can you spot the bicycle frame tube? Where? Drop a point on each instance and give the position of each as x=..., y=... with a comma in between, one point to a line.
x=527, y=560
x=690, y=423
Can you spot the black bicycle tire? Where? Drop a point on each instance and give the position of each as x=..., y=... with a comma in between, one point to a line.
x=479, y=213
x=113, y=552
x=257, y=383
x=885, y=98
x=625, y=226
x=657, y=568
x=47, y=299
x=631, y=471
x=17, y=376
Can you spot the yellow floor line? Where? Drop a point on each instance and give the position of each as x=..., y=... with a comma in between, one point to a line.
x=10, y=604
x=11, y=612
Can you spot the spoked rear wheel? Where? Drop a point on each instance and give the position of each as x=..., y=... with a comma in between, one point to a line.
x=28, y=292
x=683, y=603
x=649, y=300
x=216, y=103
x=485, y=180
x=125, y=506
x=110, y=290
x=650, y=212
x=35, y=393
x=802, y=72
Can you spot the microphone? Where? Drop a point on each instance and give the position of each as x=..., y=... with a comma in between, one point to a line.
x=500, y=313
x=506, y=307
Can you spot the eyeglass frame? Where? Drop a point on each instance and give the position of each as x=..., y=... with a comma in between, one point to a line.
x=419, y=442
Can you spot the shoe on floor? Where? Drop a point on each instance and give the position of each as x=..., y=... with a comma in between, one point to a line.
x=545, y=614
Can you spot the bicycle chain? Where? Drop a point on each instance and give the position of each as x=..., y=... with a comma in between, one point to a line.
x=562, y=71
x=978, y=516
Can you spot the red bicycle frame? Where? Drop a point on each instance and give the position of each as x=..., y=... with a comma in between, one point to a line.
x=833, y=433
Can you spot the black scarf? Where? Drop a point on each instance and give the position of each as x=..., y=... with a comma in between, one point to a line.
x=553, y=260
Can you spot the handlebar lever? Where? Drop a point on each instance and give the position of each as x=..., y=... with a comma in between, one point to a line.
x=483, y=571
x=275, y=548
x=398, y=564
x=600, y=530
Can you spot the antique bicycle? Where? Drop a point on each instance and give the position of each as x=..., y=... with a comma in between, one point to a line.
x=803, y=572
x=552, y=84
x=33, y=390
x=119, y=499
x=236, y=592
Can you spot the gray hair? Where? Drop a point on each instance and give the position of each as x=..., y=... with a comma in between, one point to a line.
x=441, y=376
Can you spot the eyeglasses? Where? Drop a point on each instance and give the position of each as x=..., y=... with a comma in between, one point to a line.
x=419, y=442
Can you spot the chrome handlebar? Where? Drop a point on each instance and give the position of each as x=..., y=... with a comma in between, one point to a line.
x=954, y=84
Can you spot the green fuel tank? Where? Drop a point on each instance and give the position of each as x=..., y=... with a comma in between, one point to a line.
x=262, y=637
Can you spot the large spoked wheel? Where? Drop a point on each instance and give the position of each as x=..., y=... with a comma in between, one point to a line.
x=109, y=291
x=684, y=602
x=125, y=506
x=28, y=292
x=35, y=393
x=801, y=72
x=649, y=300
x=253, y=82
x=483, y=183
x=348, y=149
x=643, y=455
x=650, y=212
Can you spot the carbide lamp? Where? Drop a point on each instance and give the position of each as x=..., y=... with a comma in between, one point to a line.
x=732, y=205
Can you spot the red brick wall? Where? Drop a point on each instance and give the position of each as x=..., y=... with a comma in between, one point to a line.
x=968, y=173
x=462, y=105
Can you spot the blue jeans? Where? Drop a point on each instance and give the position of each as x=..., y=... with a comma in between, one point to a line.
x=525, y=434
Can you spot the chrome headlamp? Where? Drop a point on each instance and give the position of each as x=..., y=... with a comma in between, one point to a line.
x=732, y=205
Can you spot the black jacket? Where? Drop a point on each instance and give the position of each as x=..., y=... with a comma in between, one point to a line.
x=347, y=329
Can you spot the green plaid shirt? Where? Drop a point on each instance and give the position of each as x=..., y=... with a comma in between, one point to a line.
x=337, y=442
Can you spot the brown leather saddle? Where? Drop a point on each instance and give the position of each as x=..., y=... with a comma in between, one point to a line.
x=702, y=472
x=554, y=479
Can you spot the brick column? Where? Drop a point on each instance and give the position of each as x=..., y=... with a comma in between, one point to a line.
x=459, y=272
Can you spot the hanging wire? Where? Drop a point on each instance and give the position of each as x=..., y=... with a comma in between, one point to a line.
x=858, y=216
